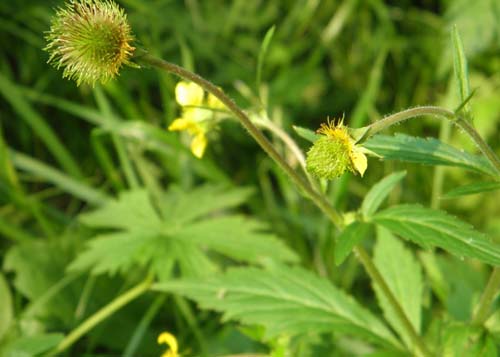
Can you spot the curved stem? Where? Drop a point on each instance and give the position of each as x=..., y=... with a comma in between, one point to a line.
x=256, y=134
x=299, y=181
x=392, y=119
x=441, y=112
x=102, y=314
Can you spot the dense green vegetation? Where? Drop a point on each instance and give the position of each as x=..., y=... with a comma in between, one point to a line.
x=113, y=232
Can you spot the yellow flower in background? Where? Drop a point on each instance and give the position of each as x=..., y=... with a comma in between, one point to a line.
x=170, y=340
x=198, y=116
x=335, y=152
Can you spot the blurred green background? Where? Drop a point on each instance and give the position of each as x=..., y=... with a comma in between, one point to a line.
x=361, y=58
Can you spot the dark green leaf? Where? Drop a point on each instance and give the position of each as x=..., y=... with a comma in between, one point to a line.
x=426, y=151
x=403, y=275
x=472, y=188
x=379, y=192
x=348, y=238
x=428, y=228
x=284, y=300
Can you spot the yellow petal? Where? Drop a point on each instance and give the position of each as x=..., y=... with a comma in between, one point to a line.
x=198, y=145
x=170, y=340
x=182, y=124
x=188, y=93
x=359, y=161
x=214, y=102
x=196, y=114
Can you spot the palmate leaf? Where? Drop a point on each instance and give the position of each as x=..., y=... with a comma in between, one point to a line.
x=434, y=228
x=179, y=234
x=427, y=151
x=403, y=275
x=284, y=300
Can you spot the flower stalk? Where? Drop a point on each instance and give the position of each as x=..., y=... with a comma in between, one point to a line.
x=299, y=181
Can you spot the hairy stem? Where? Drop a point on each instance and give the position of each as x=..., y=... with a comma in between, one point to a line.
x=256, y=134
x=489, y=294
x=101, y=315
x=299, y=181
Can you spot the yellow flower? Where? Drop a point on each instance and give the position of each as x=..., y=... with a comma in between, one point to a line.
x=170, y=340
x=197, y=117
x=335, y=152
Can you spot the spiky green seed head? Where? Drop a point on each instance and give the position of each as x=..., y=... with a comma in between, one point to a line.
x=328, y=158
x=335, y=152
x=90, y=39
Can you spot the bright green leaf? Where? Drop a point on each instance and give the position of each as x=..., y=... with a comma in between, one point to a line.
x=403, y=275
x=348, y=238
x=186, y=224
x=379, y=192
x=307, y=134
x=426, y=151
x=428, y=228
x=236, y=236
x=463, y=340
x=284, y=300
x=180, y=207
x=472, y=189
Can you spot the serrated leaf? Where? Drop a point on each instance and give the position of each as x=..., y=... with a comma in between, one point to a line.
x=403, y=275
x=434, y=228
x=426, y=151
x=181, y=207
x=131, y=211
x=379, y=192
x=348, y=238
x=179, y=235
x=238, y=237
x=284, y=300
x=305, y=133
x=472, y=189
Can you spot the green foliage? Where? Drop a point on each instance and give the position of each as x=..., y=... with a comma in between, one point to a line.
x=404, y=277
x=379, y=192
x=283, y=299
x=175, y=235
x=433, y=228
x=98, y=200
x=426, y=151
x=350, y=236
x=472, y=189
